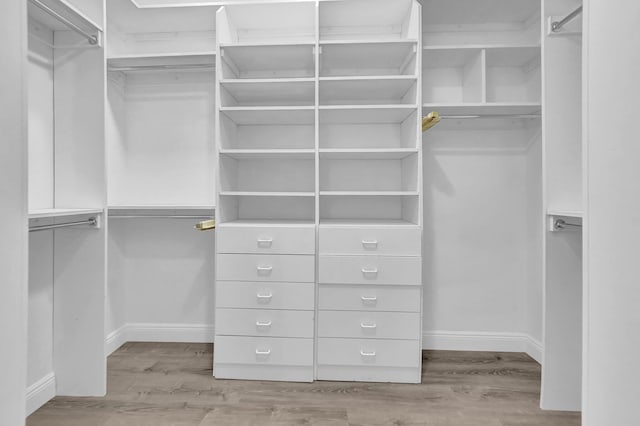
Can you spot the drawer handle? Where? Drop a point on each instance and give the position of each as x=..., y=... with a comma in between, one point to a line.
x=264, y=297
x=363, y=353
x=263, y=353
x=370, y=300
x=368, y=326
x=263, y=324
x=265, y=269
x=370, y=244
x=265, y=241
x=373, y=271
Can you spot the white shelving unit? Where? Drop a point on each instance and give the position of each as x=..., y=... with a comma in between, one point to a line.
x=66, y=170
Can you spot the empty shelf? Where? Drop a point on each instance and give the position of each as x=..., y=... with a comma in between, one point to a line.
x=52, y=213
x=353, y=114
x=270, y=115
x=367, y=154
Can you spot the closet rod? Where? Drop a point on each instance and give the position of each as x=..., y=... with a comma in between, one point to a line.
x=91, y=222
x=559, y=224
x=185, y=67
x=93, y=39
x=456, y=117
x=557, y=26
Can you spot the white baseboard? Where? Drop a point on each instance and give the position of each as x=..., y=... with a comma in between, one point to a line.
x=115, y=339
x=482, y=341
x=40, y=392
x=159, y=332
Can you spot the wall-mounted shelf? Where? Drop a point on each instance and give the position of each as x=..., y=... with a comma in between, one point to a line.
x=365, y=113
x=242, y=154
x=366, y=154
x=270, y=115
x=168, y=61
x=272, y=92
x=565, y=213
x=53, y=213
x=484, y=108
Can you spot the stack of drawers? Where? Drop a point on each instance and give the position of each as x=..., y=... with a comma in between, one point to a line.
x=369, y=307
x=265, y=301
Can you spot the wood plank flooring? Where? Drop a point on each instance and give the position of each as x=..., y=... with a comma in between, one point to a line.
x=171, y=384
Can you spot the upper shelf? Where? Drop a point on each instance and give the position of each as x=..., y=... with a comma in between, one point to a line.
x=255, y=92
x=53, y=213
x=482, y=109
x=365, y=114
x=368, y=58
x=368, y=90
x=177, y=61
x=60, y=15
x=253, y=61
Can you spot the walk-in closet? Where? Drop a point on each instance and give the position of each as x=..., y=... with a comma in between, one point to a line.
x=319, y=211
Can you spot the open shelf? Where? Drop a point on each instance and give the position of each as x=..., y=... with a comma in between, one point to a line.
x=348, y=223
x=366, y=154
x=369, y=207
x=384, y=20
x=270, y=115
x=373, y=58
x=267, y=61
x=261, y=207
x=273, y=92
x=242, y=154
x=268, y=193
x=513, y=74
x=53, y=213
x=368, y=193
x=170, y=61
x=365, y=113
x=482, y=108
x=187, y=212
x=288, y=134
x=68, y=12
x=368, y=90
x=565, y=213
x=453, y=75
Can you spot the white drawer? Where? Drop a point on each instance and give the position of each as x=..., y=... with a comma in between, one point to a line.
x=370, y=240
x=265, y=295
x=373, y=325
x=263, y=351
x=369, y=298
x=259, y=322
x=369, y=352
x=266, y=239
x=370, y=270
x=264, y=267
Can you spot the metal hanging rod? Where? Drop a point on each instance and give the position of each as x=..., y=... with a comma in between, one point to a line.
x=92, y=221
x=93, y=39
x=456, y=117
x=560, y=224
x=184, y=67
x=557, y=26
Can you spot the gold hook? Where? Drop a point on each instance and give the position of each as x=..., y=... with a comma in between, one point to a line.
x=206, y=225
x=430, y=120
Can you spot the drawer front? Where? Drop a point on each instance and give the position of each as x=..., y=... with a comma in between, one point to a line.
x=372, y=325
x=371, y=352
x=369, y=298
x=370, y=270
x=265, y=295
x=265, y=239
x=370, y=240
x=259, y=322
x=263, y=351
x=259, y=267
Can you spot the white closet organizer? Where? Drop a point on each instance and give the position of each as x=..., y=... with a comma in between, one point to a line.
x=318, y=140
x=562, y=140
x=161, y=172
x=67, y=194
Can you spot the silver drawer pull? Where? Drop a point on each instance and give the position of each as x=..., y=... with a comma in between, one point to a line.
x=263, y=324
x=368, y=326
x=363, y=353
x=366, y=299
x=264, y=269
x=263, y=353
x=264, y=297
x=370, y=244
x=370, y=271
x=265, y=241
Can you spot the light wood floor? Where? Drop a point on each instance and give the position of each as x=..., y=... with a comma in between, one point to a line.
x=170, y=384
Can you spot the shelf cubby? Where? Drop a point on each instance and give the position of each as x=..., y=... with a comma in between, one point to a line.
x=369, y=175
x=287, y=130
x=265, y=207
x=368, y=90
x=513, y=74
x=267, y=175
x=257, y=61
x=272, y=92
x=362, y=208
x=453, y=75
x=372, y=58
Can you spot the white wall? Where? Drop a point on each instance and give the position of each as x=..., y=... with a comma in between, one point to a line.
x=163, y=270
x=477, y=269
x=612, y=224
x=13, y=212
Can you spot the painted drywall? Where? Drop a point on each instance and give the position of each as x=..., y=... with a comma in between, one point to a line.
x=612, y=227
x=13, y=213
